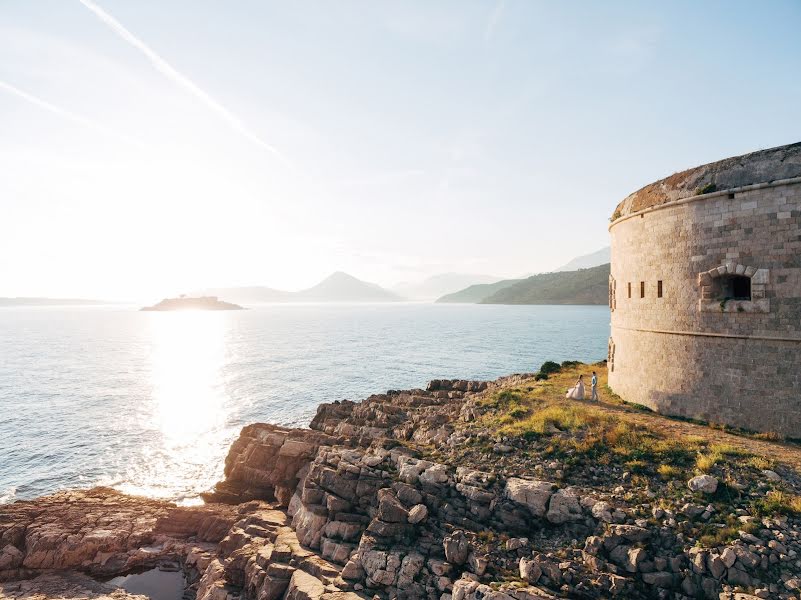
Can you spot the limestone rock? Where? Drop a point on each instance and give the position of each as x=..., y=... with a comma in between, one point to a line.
x=530, y=570
x=456, y=548
x=563, y=507
x=417, y=513
x=706, y=484
x=531, y=493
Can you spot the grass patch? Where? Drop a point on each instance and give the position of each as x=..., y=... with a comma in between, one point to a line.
x=561, y=416
x=712, y=536
x=669, y=472
x=778, y=503
x=705, y=461
x=760, y=463
x=578, y=432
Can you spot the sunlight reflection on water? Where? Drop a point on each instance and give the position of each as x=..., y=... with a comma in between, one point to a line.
x=149, y=402
x=187, y=404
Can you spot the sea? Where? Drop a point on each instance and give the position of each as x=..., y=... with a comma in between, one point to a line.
x=149, y=402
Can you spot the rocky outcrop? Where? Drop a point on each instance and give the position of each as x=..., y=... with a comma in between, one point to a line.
x=102, y=532
x=371, y=503
x=265, y=462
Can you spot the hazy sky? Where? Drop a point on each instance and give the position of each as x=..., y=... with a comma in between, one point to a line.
x=150, y=147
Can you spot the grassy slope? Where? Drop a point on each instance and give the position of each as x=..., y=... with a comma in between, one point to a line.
x=586, y=286
x=658, y=452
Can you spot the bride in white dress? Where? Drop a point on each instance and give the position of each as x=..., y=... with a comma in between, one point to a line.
x=577, y=391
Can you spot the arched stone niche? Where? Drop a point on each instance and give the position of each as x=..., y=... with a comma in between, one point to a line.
x=723, y=289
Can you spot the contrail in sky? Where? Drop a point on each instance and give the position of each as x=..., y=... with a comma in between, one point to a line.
x=182, y=80
x=71, y=116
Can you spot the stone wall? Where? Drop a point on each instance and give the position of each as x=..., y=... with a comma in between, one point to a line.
x=690, y=352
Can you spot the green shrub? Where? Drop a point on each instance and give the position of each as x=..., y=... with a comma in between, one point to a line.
x=549, y=367
x=707, y=189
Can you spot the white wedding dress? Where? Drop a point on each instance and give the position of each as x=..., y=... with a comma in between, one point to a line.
x=576, y=392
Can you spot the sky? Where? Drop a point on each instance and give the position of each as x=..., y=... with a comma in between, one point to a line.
x=152, y=147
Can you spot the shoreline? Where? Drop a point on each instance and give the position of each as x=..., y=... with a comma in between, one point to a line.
x=448, y=492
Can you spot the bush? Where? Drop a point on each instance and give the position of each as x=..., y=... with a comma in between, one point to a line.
x=707, y=189
x=549, y=367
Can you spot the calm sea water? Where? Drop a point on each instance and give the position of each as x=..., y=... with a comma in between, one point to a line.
x=149, y=402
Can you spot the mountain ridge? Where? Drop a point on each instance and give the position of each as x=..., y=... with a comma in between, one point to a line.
x=582, y=286
x=337, y=287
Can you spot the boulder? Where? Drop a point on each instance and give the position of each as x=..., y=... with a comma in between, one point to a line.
x=417, y=513
x=531, y=493
x=706, y=484
x=530, y=570
x=303, y=586
x=564, y=507
x=456, y=548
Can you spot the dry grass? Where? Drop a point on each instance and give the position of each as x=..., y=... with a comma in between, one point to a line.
x=539, y=411
x=559, y=416
x=760, y=462
x=668, y=472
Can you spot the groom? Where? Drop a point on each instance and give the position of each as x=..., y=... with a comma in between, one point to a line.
x=594, y=387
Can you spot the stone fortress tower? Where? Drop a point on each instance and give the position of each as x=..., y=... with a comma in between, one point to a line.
x=705, y=293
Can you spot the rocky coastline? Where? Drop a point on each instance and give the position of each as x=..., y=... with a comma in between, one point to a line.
x=411, y=495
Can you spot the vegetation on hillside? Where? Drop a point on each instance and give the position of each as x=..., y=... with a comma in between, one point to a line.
x=603, y=444
x=586, y=286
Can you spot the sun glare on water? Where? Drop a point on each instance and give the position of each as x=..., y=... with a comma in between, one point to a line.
x=186, y=409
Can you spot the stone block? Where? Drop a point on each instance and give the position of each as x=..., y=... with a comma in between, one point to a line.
x=761, y=276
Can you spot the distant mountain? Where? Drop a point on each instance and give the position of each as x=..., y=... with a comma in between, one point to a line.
x=339, y=287
x=600, y=257
x=585, y=286
x=439, y=285
x=26, y=301
x=476, y=293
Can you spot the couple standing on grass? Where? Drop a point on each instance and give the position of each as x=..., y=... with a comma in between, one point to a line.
x=577, y=391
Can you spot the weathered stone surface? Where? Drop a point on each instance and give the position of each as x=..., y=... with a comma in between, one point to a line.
x=303, y=586
x=69, y=529
x=456, y=548
x=417, y=513
x=534, y=495
x=564, y=507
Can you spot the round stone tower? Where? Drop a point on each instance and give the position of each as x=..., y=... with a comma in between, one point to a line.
x=705, y=293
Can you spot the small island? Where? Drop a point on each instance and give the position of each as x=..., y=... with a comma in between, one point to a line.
x=188, y=303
